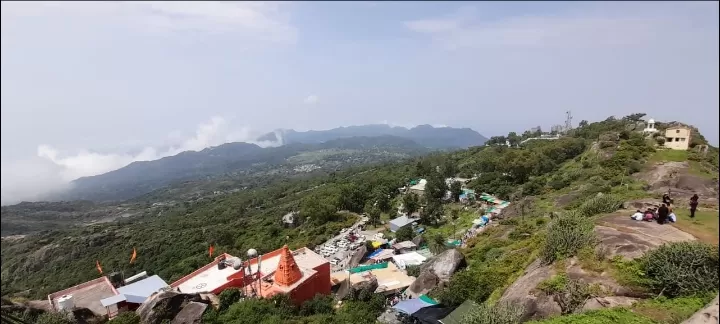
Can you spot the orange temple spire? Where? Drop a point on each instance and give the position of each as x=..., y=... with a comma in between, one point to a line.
x=287, y=272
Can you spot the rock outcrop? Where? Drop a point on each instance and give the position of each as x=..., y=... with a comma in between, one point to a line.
x=165, y=306
x=707, y=315
x=436, y=271
x=190, y=314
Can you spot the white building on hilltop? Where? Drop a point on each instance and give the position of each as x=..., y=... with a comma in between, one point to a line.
x=650, y=127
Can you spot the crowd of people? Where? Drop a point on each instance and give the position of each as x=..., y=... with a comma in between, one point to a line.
x=664, y=213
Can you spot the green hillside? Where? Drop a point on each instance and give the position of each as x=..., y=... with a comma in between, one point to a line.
x=561, y=189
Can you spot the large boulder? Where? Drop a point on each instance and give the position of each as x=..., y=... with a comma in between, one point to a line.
x=426, y=281
x=357, y=256
x=190, y=314
x=437, y=271
x=165, y=306
x=444, y=264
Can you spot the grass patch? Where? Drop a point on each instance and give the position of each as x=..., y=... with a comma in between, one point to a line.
x=669, y=156
x=672, y=311
x=704, y=226
x=603, y=316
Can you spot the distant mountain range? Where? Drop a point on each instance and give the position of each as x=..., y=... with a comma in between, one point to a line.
x=235, y=160
x=425, y=135
x=301, y=152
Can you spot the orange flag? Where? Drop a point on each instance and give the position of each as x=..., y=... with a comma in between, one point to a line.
x=134, y=255
x=97, y=265
x=211, y=250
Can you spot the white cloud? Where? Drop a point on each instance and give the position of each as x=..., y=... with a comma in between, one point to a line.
x=311, y=100
x=600, y=27
x=267, y=20
x=52, y=170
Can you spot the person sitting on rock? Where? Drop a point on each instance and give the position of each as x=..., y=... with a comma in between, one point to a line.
x=638, y=216
x=649, y=215
x=663, y=213
x=672, y=218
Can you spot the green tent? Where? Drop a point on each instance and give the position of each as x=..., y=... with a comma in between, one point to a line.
x=456, y=316
x=369, y=267
x=428, y=300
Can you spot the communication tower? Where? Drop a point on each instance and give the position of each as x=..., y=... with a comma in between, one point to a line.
x=568, y=121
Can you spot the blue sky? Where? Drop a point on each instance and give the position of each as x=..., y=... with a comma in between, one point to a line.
x=90, y=87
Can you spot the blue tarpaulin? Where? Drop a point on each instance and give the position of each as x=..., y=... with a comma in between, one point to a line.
x=410, y=306
x=376, y=252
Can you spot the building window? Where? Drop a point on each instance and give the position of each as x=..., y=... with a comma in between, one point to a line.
x=682, y=139
x=677, y=139
x=677, y=131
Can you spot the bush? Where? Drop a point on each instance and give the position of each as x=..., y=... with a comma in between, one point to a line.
x=405, y=233
x=500, y=313
x=320, y=304
x=566, y=235
x=682, y=268
x=599, y=204
x=412, y=270
x=53, y=318
x=228, y=297
x=126, y=318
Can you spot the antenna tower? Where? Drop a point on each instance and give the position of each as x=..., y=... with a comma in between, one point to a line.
x=568, y=121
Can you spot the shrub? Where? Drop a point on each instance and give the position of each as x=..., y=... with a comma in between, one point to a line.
x=600, y=204
x=572, y=296
x=566, y=235
x=500, y=313
x=412, y=270
x=320, y=304
x=405, y=233
x=228, y=297
x=126, y=318
x=682, y=268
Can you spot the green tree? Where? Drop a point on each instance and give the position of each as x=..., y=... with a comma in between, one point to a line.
x=411, y=203
x=228, y=297
x=382, y=200
x=373, y=213
x=583, y=123
x=514, y=138
x=456, y=190
x=405, y=233
x=432, y=212
x=318, y=210
x=435, y=188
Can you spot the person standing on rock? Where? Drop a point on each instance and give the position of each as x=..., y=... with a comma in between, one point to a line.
x=663, y=213
x=666, y=199
x=693, y=205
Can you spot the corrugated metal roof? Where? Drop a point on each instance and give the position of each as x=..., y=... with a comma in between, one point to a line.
x=402, y=221
x=145, y=287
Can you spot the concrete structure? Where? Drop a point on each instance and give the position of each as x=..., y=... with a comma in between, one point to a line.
x=86, y=295
x=301, y=274
x=404, y=247
x=401, y=222
x=289, y=219
x=408, y=259
x=130, y=297
x=390, y=279
x=650, y=127
x=419, y=188
x=677, y=138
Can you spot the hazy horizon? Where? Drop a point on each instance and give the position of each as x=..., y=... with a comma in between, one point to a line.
x=89, y=87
